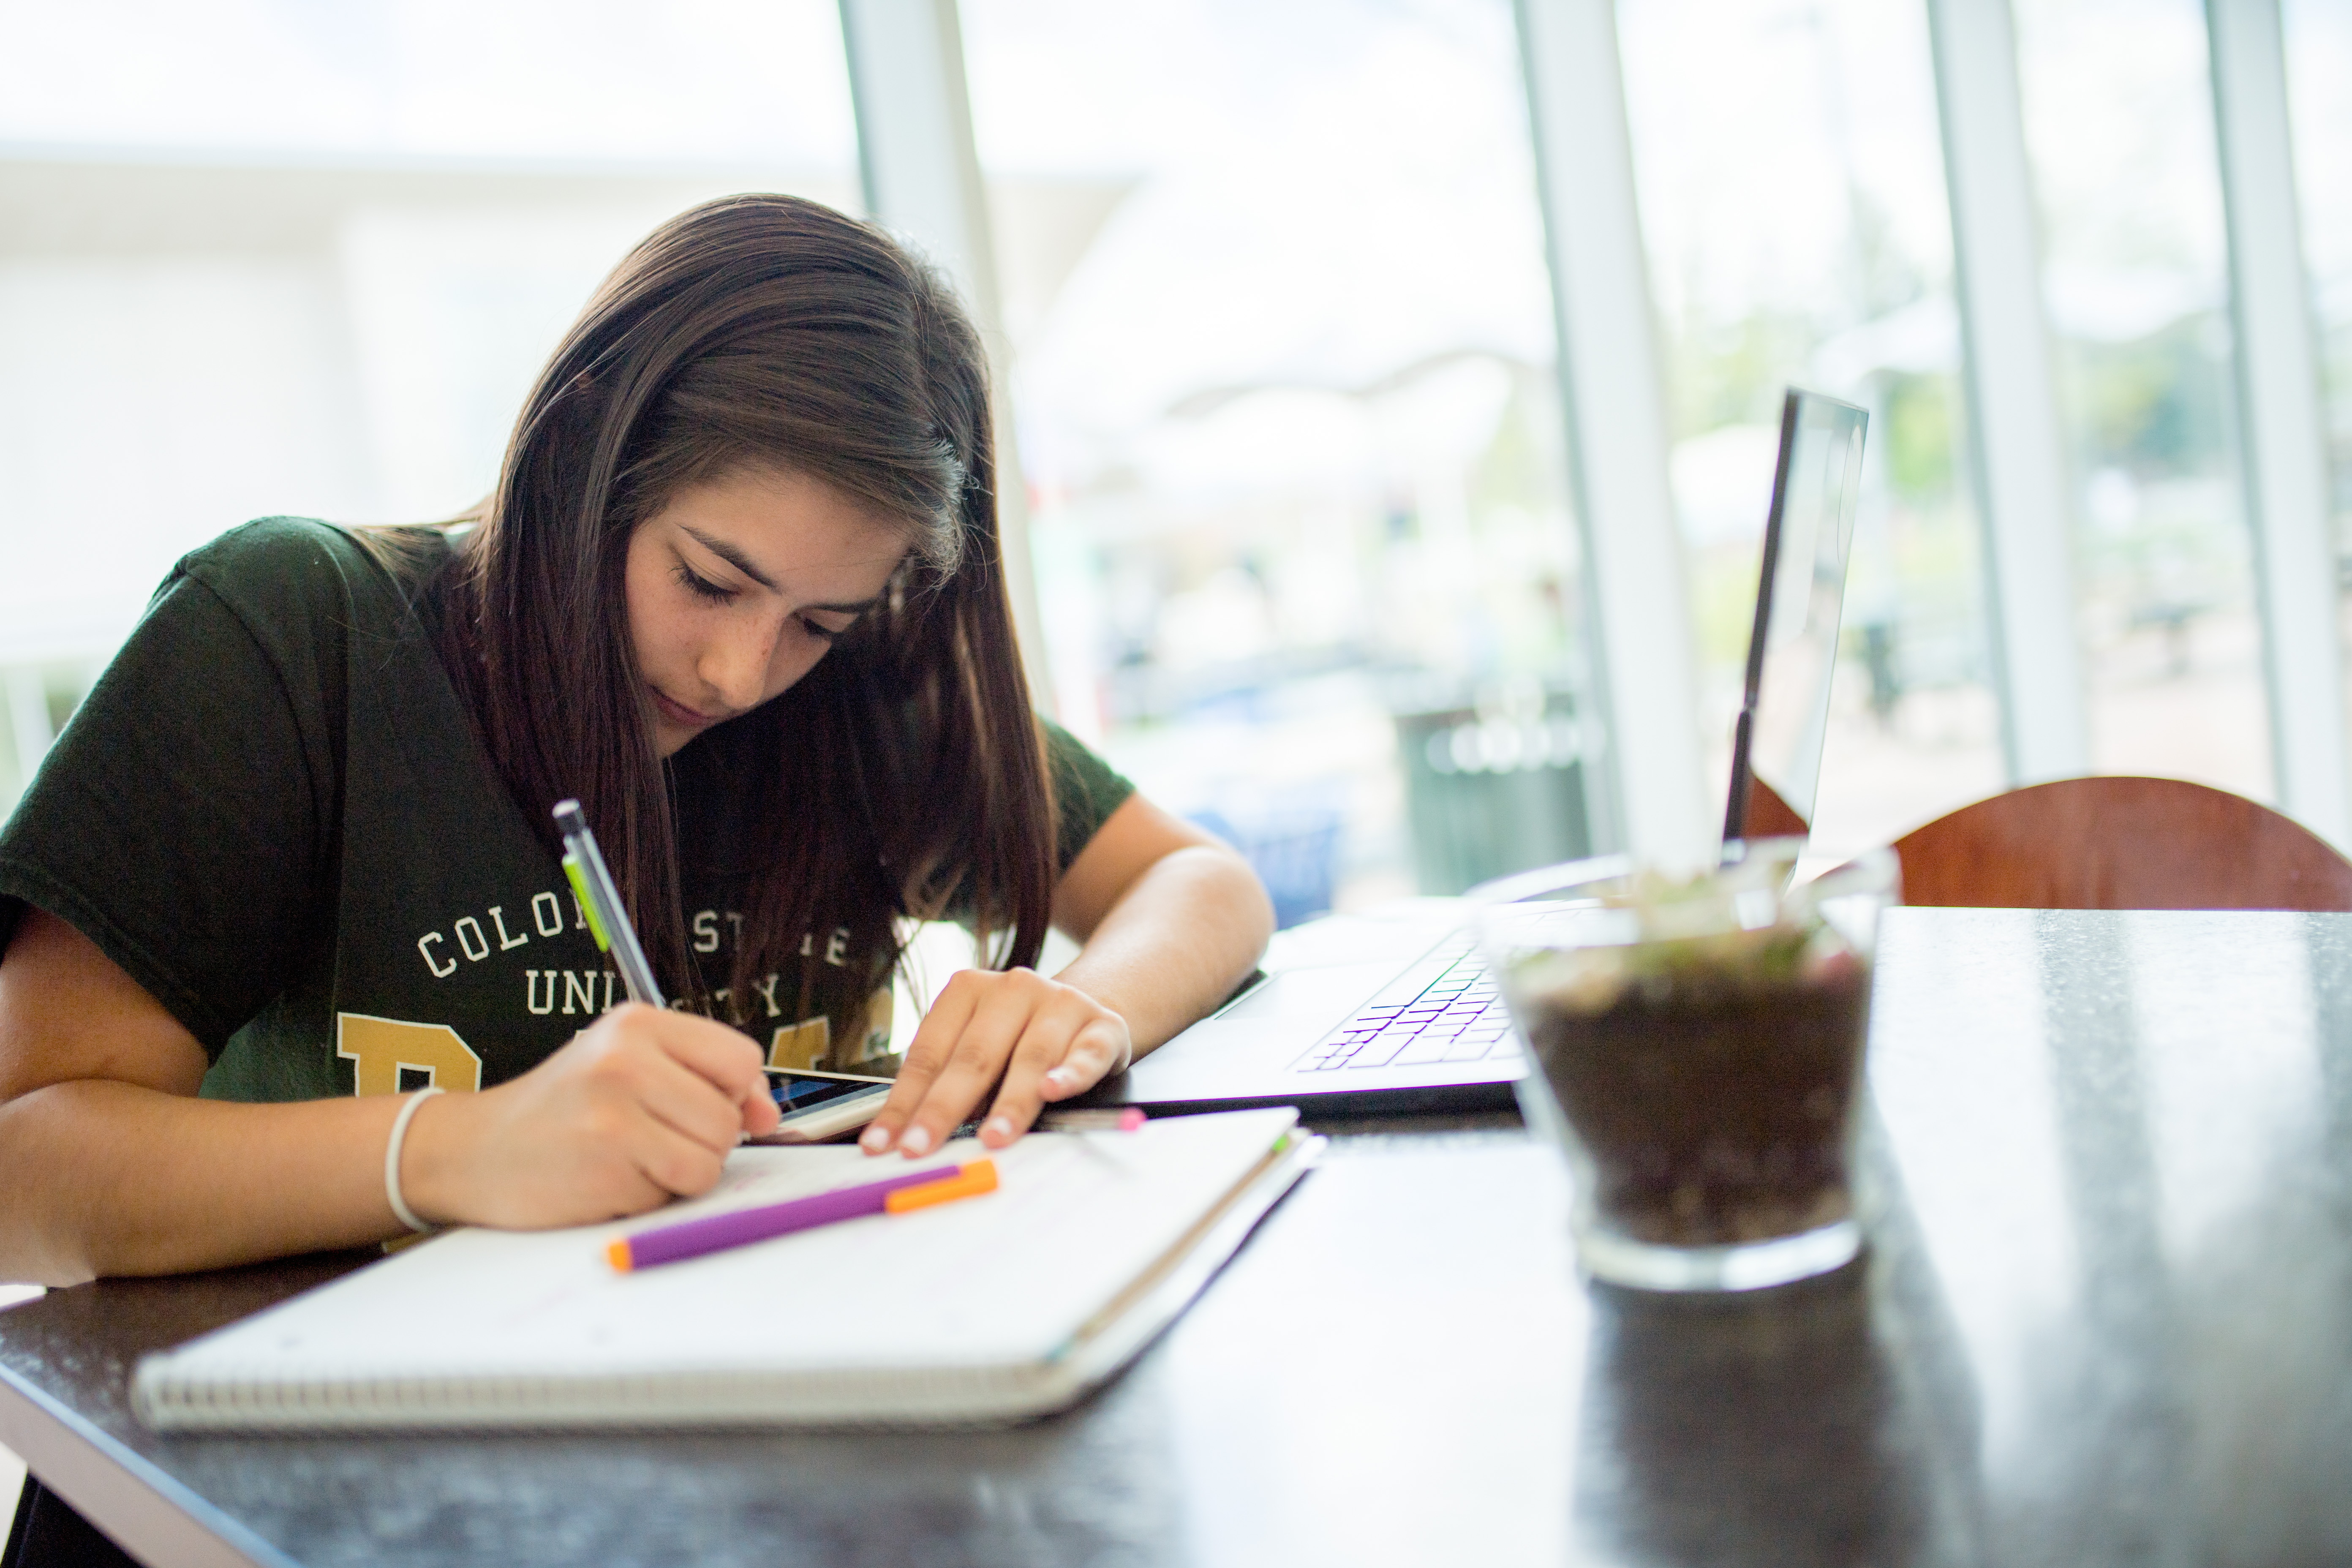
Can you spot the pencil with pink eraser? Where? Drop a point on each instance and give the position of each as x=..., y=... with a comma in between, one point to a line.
x=1130, y=1120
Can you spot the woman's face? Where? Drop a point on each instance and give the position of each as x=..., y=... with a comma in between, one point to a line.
x=738, y=586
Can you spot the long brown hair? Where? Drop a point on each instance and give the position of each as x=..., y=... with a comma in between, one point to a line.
x=906, y=769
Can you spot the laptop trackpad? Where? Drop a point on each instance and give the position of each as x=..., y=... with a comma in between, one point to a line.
x=1328, y=995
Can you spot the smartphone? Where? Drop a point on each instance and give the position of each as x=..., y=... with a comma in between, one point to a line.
x=818, y=1106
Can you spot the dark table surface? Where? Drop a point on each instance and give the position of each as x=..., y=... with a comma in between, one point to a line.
x=2105, y=1317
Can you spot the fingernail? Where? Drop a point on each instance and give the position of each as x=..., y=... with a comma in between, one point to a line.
x=916, y=1142
x=875, y=1139
x=1061, y=1078
x=998, y=1127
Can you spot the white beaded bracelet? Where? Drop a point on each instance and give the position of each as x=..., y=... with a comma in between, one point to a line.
x=407, y=1215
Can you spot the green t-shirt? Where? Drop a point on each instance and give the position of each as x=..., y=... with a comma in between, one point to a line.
x=273, y=813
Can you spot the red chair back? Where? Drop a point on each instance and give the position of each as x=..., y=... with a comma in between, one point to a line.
x=2121, y=844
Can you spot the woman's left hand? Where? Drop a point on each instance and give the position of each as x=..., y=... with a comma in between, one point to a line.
x=1044, y=1040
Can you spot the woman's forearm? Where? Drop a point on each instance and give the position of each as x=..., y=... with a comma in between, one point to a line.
x=104, y=1178
x=99, y=1176
x=1176, y=942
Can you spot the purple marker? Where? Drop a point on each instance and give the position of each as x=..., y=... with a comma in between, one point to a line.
x=676, y=1243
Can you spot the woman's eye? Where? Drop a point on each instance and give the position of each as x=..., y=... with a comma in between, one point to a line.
x=702, y=587
x=823, y=633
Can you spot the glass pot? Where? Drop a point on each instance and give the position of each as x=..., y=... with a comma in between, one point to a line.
x=1696, y=1051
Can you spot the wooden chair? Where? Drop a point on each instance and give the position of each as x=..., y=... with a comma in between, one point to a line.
x=1768, y=815
x=2121, y=844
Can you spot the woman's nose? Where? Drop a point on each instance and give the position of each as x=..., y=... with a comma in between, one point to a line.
x=735, y=664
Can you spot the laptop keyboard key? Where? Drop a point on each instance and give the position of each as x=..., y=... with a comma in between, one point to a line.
x=1420, y=1052
x=1446, y=1008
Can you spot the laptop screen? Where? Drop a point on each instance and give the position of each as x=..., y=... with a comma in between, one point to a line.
x=1775, y=752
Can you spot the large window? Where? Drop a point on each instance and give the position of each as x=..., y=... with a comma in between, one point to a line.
x=1282, y=346
x=2119, y=127
x=2319, y=62
x=1280, y=338
x=1792, y=200
x=289, y=258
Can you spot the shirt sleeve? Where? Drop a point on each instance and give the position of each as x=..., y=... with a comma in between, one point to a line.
x=176, y=822
x=1087, y=790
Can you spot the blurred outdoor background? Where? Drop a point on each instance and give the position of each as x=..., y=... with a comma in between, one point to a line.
x=1278, y=325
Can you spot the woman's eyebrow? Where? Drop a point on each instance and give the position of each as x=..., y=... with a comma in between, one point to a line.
x=732, y=556
x=741, y=562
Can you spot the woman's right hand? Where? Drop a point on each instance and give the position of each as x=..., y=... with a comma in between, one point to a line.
x=643, y=1105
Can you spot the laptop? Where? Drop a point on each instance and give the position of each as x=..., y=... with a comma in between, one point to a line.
x=1392, y=1011
x=1784, y=711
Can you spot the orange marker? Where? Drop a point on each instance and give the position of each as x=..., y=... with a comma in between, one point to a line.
x=978, y=1177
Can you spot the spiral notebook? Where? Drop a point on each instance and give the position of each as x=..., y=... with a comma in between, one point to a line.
x=990, y=1310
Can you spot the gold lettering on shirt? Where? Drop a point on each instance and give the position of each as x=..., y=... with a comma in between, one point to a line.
x=378, y=1048
x=873, y=1038
x=807, y=1044
x=802, y=1045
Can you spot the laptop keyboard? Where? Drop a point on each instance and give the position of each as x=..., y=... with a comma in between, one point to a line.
x=1444, y=1008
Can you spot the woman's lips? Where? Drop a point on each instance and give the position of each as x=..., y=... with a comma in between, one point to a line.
x=679, y=713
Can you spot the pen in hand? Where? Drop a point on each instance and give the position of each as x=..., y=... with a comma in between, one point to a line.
x=600, y=902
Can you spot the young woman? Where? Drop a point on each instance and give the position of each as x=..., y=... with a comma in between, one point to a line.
x=739, y=590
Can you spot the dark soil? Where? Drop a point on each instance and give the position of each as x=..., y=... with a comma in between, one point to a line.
x=1713, y=1104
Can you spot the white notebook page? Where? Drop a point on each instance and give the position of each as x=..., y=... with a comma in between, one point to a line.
x=1003, y=1278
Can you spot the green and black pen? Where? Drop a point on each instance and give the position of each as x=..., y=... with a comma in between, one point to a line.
x=600, y=902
